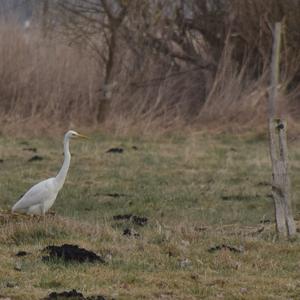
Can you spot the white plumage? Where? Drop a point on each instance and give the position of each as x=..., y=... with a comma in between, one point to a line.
x=39, y=198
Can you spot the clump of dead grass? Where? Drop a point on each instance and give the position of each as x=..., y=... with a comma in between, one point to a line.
x=22, y=229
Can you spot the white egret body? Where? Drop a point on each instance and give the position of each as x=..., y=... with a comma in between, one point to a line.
x=39, y=198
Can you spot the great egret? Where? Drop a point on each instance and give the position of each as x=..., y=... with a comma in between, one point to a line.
x=39, y=198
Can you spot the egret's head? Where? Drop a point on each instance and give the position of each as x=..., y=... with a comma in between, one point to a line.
x=73, y=134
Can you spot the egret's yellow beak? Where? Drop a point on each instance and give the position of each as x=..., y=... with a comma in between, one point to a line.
x=82, y=136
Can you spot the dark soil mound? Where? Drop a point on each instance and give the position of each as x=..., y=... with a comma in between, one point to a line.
x=22, y=253
x=115, y=195
x=141, y=221
x=65, y=295
x=130, y=232
x=71, y=253
x=32, y=149
x=115, y=150
x=71, y=295
x=122, y=217
x=225, y=247
x=35, y=158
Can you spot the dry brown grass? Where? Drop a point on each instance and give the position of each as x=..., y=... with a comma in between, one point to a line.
x=44, y=82
x=47, y=85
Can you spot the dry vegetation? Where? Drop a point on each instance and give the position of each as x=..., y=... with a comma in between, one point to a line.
x=144, y=65
x=43, y=82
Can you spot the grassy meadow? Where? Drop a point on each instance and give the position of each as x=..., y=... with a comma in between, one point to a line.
x=198, y=191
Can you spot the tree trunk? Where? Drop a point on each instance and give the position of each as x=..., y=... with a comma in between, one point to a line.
x=104, y=101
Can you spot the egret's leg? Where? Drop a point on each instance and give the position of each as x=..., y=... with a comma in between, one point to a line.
x=43, y=213
x=32, y=216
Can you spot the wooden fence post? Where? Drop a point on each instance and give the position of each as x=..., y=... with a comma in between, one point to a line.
x=285, y=223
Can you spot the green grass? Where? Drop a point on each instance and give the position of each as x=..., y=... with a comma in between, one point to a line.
x=198, y=191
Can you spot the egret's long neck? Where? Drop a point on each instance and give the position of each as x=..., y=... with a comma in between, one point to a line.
x=61, y=176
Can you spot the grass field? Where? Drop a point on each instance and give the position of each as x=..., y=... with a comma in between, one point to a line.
x=197, y=191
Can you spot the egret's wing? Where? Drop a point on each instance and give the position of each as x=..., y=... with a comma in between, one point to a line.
x=39, y=193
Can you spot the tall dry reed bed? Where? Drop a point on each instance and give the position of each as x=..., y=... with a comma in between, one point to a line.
x=47, y=82
x=43, y=82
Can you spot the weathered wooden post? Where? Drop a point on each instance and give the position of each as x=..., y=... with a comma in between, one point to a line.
x=285, y=223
